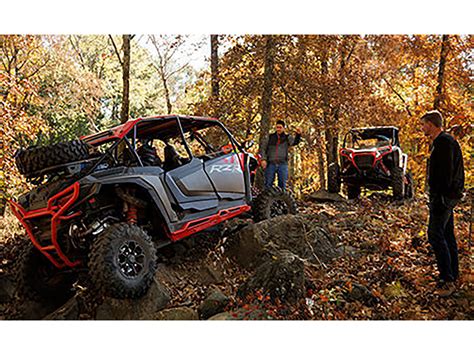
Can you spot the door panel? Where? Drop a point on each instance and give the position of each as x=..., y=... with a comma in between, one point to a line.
x=227, y=176
x=189, y=183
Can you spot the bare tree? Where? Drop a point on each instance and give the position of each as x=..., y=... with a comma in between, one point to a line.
x=267, y=87
x=125, y=63
x=215, y=65
x=167, y=49
x=442, y=63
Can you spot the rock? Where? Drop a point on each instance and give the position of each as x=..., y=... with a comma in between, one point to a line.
x=166, y=274
x=357, y=292
x=252, y=312
x=324, y=196
x=178, y=313
x=280, y=278
x=209, y=275
x=146, y=307
x=68, y=311
x=179, y=249
x=370, y=247
x=214, y=303
x=222, y=316
x=32, y=310
x=247, y=247
x=304, y=236
x=349, y=251
x=7, y=288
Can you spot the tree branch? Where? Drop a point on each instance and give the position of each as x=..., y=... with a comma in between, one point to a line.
x=76, y=49
x=116, y=50
x=399, y=96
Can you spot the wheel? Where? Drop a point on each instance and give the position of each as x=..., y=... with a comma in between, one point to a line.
x=273, y=202
x=34, y=159
x=353, y=191
x=334, y=181
x=398, y=183
x=122, y=261
x=255, y=191
x=409, y=185
x=38, y=279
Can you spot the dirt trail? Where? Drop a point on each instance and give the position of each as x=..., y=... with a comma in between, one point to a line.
x=386, y=270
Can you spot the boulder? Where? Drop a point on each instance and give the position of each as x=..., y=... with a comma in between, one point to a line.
x=222, y=316
x=210, y=275
x=32, y=309
x=68, y=311
x=324, y=196
x=7, y=288
x=252, y=312
x=213, y=304
x=304, y=236
x=146, y=307
x=356, y=292
x=280, y=278
x=167, y=274
x=178, y=313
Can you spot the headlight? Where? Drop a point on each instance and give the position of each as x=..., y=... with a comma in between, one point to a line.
x=346, y=153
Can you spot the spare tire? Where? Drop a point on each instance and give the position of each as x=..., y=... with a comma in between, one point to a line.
x=32, y=160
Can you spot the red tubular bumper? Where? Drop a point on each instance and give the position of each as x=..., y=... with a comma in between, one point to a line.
x=198, y=225
x=56, y=207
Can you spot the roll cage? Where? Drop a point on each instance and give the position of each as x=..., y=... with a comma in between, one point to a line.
x=381, y=132
x=160, y=127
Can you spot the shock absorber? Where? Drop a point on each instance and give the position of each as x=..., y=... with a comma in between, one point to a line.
x=132, y=214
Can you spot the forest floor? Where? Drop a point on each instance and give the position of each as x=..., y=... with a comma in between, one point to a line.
x=387, y=270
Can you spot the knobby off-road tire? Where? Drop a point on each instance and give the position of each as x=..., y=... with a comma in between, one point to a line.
x=272, y=203
x=39, y=280
x=334, y=181
x=352, y=191
x=409, y=186
x=122, y=262
x=398, y=183
x=34, y=159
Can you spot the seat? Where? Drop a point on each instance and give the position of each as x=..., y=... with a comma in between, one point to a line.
x=172, y=158
x=148, y=154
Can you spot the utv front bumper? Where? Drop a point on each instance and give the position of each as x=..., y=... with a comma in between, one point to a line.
x=55, y=212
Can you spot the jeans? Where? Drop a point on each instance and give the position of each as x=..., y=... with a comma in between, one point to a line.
x=279, y=169
x=441, y=237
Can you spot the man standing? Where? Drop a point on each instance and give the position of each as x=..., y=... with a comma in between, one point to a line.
x=274, y=152
x=445, y=176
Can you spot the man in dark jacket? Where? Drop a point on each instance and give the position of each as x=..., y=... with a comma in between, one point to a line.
x=445, y=176
x=274, y=152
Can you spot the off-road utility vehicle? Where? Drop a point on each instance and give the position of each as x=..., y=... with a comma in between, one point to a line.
x=108, y=201
x=371, y=157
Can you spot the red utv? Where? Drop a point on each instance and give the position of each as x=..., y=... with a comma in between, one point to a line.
x=107, y=202
x=371, y=158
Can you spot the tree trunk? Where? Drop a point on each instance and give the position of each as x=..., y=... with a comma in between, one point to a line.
x=332, y=140
x=124, y=113
x=442, y=63
x=267, y=87
x=215, y=65
x=327, y=119
x=322, y=174
x=167, y=92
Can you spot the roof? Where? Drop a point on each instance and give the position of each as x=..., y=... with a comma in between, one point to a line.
x=120, y=131
x=375, y=128
x=376, y=132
